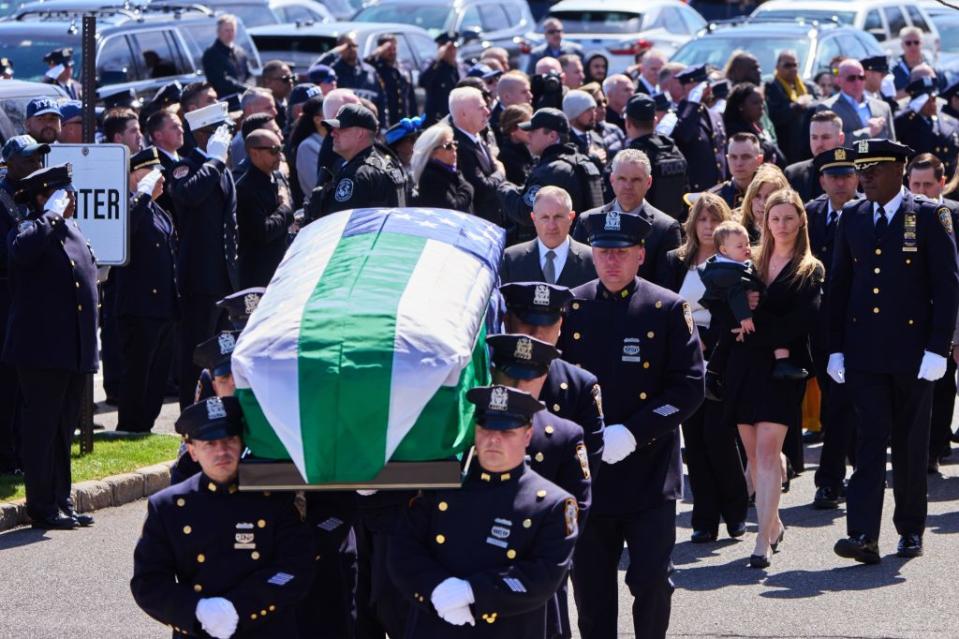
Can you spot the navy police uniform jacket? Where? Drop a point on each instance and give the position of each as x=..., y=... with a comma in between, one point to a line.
x=205, y=198
x=11, y=214
x=643, y=346
x=730, y=193
x=53, y=294
x=822, y=236
x=900, y=292
x=146, y=286
x=438, y=79
x=939, y=136
x=373, y=178
x=557, y=453
x=203, y=539
x=574, y=394
x=510, y=535
x=264, y=214
x=697, y=136
x=398, y=94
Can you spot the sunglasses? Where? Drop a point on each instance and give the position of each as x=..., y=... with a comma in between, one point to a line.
x=285, y=78
x=274, y=150
x=554, y=31
x=449, y=146
x=790, y=65
x=854, y=78
x=911, y=43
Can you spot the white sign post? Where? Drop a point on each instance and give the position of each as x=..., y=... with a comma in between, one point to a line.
x=100, y=176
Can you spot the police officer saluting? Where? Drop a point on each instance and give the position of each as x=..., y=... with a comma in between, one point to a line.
x=536, y=309
x=204, y=194
x=925, y=128
x=894, y=282
x=51, y=338
x=492, y=553
x=698, y=134
x=213, y=561
x=371, y=176
x=641, y=342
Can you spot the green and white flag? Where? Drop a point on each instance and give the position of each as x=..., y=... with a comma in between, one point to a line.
x=366, y=341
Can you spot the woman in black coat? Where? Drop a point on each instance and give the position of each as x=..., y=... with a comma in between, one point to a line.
x=712, y=456
x=763, y=407
x=439, y=182
x=513, y=152
x=743, y=114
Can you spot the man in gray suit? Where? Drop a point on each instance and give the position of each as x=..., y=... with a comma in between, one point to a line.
x=862, y=117
x=553, y=257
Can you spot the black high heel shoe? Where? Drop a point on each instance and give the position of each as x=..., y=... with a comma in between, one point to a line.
x=758, y=561
x=775, y=545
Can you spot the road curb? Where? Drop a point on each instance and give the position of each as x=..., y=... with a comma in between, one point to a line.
x=115, y=490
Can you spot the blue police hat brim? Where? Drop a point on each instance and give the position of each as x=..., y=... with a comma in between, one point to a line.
x=524, y=372
x=32, y=149
x=838, y=170
x=501, y=421
x=223, y=369
x=614, y=242
x=536, y=317
x=216, y=430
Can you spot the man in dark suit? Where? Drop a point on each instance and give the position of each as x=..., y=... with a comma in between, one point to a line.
x=225, y=62
x=553, y=47
x=165, y=130
x=631, y=181
x=825, y=134
x=469, y=115
x=553, y=257
x=862, y=117
x=789, y=99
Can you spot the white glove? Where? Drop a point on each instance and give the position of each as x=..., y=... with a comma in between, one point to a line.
x=54, y=72
x=217, y=616
x=366, y=493
x=888, y=86
x=932, y=367
x=218, y=146
x=618, y=443
x=58, y=202
x=451, y=593
x=696, y=95
x=836, y=368
x=458, y=616
x=916, y=104
x=148, y=182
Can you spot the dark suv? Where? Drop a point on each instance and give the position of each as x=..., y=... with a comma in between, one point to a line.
x=141, y=48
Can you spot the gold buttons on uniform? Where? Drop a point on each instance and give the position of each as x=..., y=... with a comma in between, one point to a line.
x=261, y=523
x=876, y=270
x=555, y=407
x=441, y=539
x=200, y=558
x=197, y=588
x=527, y=523
x=504, y=477
x=642, y=395
x=576, y=335
x=539, y=457
x=911, y=322
x=79, y=307
x=212, y=487
x=253, y=616
x=187, y=530
x=875, y=291
x=645, y=364
x=442, y=506
x=254, y=555
x=563, y=385
x=485, y=476
x=541, y=494
x=659, y=303
x=549, y=430
x=272, y=608
x=875, y=309
x=263, y=613
x=575, y=306
x=650, y=334
x=908, y=261
x=511, y=554
x=878, y=251
x=181, y=502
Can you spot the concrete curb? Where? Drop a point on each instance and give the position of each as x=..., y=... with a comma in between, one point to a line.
x=115, y=490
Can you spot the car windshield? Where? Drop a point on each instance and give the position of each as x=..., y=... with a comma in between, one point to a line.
x=820, y=15
x=948, y=36
x=598, y=21
x=298, y=44
x=433, y=18
x=716, y=50
x=253, y=15
x=26, y=53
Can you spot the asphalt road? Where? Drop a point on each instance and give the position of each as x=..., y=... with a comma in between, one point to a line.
x=75, y=583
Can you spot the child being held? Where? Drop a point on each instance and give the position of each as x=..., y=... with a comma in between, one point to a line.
x=728, y=277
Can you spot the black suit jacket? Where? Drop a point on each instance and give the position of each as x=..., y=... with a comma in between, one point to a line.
x=804, y=179
x=671, y=270
x=481, y=173
x=521, y=264
x=664, y=236
x=263, y=219
x=789, y=120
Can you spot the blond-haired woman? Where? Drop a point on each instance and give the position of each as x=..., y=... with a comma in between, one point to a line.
x=712, y=457
x=768, y=178
x=764, y=407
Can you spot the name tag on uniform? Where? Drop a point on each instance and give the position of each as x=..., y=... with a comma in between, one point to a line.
x=631, y=349
x=909, y=244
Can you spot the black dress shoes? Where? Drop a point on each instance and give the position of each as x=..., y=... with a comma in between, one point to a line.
x=702, y=536
x=758, y=561
x=54, y=522
x=784, y=369
x=827, y=498
x=812, y=437
x=736, y=530
x=860, y=548
x=910, y=545
x=81, y=519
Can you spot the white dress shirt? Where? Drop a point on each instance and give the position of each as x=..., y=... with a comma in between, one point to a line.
x=561, y=251
x=889, y=207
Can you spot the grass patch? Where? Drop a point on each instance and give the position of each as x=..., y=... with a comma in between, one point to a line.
x=111, y=456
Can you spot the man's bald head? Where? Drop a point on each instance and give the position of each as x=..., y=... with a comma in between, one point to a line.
x=547, y=64
x=264, y=147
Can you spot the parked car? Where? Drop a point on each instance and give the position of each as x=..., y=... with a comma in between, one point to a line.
x=881, y=18
x=623, y=28
x=172, y=37
x=497, y=23
x=816, y=45
x=14, y=96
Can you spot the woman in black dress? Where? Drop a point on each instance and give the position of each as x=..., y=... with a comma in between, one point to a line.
x=712, y=458
x=762, y=406
x=438, y=181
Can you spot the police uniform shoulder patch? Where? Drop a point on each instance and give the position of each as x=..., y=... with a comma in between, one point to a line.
x=181, y=172
x=570, y=512
x=530, y=197
x=688, y=315
x=583, y=458
x=344, y=190
x=598, y=399
x=945, y=218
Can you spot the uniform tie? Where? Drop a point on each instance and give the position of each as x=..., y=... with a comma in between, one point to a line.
x=549, y=269
x=831, y=222
x=881, y=223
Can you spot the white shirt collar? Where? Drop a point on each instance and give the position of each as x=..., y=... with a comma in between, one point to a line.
x=561, y=251
x=619, y=207
x=173, y=156
x=474, y=138
x=889, y=207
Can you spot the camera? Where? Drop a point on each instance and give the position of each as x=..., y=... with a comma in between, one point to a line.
x=547, y=90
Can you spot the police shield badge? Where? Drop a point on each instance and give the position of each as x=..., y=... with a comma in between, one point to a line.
x=570, y=511
x=524, y=349
x=215, y=408
x=498, y=399
x=541, y=295
x=612, y=221
x=250, y=302
x=226, y=343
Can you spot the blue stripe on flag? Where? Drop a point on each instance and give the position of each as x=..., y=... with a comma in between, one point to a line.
x=468, y=233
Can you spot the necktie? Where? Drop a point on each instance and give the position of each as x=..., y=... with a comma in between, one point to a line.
x=881, y=223
x=549, y=269
x=831, y=221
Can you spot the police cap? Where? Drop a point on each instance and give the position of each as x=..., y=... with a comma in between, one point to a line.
x=547, y=118
x=215, y=353
x=145, y=159
x=22, y=146
x=536, y=303
x=641, y=108
x=353, y=115
x=211, y=115
x=211, y=418
x=720, y=89
x=661, y=101
x=240, y=305
x=502, y=407
x=125, y=98
x=447, y=36
x=521, y=356
x=59, y=176
x=838, y=161
x=875, y=151
x=875, y=63
x=922, y=86
x=168, y=94
x=62, y=56
x=616, y=230
x=692, y=75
